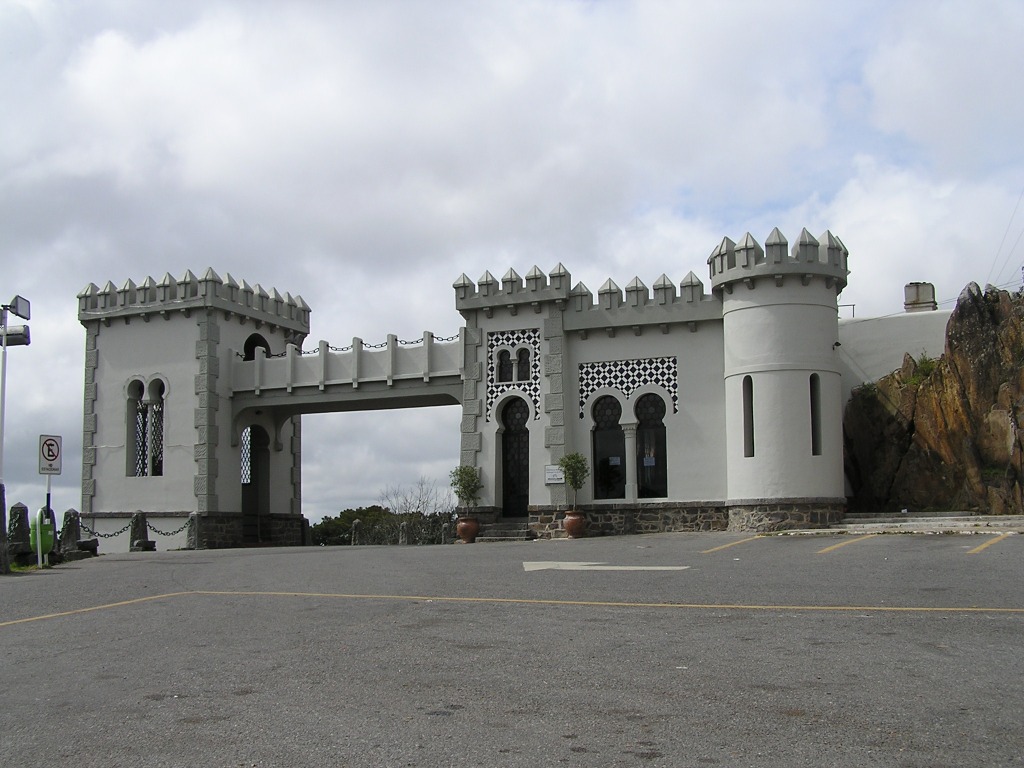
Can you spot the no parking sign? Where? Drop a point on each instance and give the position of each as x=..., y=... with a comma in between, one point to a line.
x=50, y=454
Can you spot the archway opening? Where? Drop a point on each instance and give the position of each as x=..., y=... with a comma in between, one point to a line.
x=515, y=458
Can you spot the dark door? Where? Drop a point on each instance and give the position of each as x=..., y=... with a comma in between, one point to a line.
x=255, y=483
x=515, y=458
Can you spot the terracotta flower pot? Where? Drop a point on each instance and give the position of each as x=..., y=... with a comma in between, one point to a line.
x=575, y=524
x=467, y=529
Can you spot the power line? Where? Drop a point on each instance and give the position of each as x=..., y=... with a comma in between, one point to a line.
x=1003, y=241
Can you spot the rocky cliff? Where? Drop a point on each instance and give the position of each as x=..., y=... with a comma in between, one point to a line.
x=943, y=434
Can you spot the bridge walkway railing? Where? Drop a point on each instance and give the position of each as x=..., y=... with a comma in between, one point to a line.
x=425, y=359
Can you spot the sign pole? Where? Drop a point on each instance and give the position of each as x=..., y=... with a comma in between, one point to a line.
x=5, y=565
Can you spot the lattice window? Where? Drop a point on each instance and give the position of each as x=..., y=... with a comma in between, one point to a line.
x=144, y=441
x=156, y=439
x=139, y=443
x=245, y=453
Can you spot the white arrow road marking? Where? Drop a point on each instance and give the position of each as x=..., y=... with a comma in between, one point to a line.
x=560, y=566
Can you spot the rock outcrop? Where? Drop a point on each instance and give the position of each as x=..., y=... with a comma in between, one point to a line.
x=943, y=434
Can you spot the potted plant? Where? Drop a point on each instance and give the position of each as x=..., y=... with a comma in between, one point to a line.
x=466, y=486
x=574, y=467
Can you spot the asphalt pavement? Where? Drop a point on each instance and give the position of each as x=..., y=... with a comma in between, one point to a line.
x=665, y=650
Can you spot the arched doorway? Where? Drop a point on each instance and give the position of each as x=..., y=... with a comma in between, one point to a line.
x=255, y=461
x=515, y=458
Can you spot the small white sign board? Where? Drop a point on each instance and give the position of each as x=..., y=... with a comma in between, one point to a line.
x=553, y=474
x=50, y=454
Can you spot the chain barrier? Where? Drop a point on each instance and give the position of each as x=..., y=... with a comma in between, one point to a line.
x=158, y=532
x=99, y=535
x=382, y=345
x=149, y=525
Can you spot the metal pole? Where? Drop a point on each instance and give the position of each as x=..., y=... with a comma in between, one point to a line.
x=5, y=565
x=39, y=539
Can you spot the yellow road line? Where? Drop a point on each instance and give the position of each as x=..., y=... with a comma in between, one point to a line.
x=532, y=601
x=726, y=546
x=989, y=543
x=845, y=543
x=93, y=608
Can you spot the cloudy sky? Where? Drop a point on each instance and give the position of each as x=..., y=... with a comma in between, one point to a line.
x=364, y=154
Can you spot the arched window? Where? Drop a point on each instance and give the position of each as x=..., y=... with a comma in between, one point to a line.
x=815, y=415
x=523, y=365
x=748, y=416
x=651, y=464
x=144, y=438
x=504, y=365
x=251, y=343
x=609, y=445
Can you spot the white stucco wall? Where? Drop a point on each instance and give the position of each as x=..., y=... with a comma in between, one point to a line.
x=161, y=347
x=695, y=434
x=873, y=347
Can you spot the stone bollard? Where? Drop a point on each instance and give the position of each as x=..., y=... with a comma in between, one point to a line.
x=18, y=539
x=70, y=532
x=71, y=544
x=139, y=535
x=403, y=533
x=192, y=537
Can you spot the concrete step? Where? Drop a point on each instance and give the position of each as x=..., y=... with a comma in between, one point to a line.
x=505, y=530
x=935, y=523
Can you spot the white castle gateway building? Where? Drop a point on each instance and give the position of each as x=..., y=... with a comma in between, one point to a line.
x=699, y=407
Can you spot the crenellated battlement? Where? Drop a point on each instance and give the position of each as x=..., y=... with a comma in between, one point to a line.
x=635, y=305
x=190, y=292
x=824, y=257
x=512, y=291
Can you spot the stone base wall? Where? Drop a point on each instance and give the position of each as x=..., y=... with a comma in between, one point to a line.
x=626, y=519
x=757, y=516
x=766, y=515
x=288, y=530
x=224, y=531
x=219, y=531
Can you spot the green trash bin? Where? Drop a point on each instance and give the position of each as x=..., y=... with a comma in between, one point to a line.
x=45, y=534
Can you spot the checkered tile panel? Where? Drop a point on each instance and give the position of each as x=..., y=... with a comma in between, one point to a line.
x=529, y=338
x=629, y=375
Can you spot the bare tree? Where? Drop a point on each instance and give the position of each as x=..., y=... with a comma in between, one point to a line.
x=424, y=496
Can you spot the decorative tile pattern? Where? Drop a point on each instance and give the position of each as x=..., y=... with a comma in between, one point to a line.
x=529, y=338
x=627, y=376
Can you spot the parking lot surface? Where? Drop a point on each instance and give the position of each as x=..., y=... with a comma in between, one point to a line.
x=665, y=650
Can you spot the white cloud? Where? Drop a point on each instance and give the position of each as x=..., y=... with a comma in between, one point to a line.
x=946, y=76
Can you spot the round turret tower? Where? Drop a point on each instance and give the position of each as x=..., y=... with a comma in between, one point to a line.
x=784, y=447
